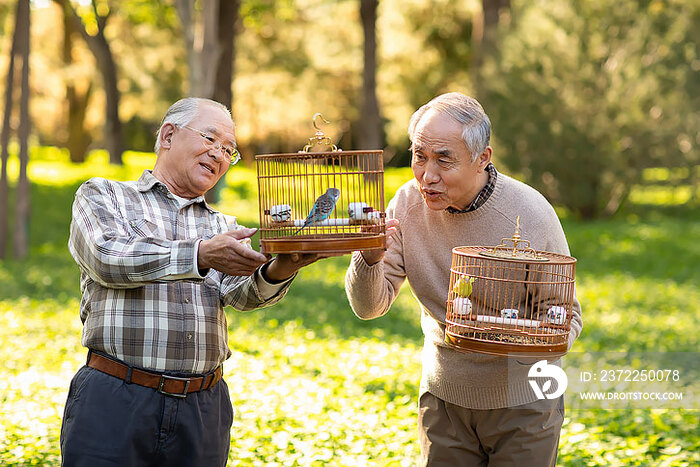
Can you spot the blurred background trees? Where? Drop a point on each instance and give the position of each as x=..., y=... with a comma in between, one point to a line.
x=16, y=110
x=583, y=94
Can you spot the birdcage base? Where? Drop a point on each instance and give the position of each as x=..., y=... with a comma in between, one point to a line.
x=324, y=244
x=505, y=345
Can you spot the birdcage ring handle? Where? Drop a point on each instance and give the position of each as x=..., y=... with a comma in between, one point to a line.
x=319, y=139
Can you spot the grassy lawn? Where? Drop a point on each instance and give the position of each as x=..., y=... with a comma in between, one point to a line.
x=313, y=385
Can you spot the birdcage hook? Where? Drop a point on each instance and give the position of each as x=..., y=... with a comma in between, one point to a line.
x=316, y=115
x=319, y=138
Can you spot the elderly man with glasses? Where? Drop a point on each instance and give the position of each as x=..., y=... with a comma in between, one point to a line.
x=158, y=265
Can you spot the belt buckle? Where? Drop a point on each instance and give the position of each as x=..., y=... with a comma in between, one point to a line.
x=161, y=384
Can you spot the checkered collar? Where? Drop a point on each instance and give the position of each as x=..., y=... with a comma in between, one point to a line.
x=148, y=181
x=483, y=195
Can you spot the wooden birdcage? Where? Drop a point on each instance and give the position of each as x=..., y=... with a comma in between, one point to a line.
x=290, y=185
x=508, y=300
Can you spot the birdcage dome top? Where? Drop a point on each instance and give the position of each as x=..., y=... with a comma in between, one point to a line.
x=542, y=256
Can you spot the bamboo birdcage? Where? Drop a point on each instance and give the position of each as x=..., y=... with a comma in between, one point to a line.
x=508, y=300
x=289, y=185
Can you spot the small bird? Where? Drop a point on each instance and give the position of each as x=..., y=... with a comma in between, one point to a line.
x=280, y=212
x=323, y=207
x=462, y=306
x=463, y=287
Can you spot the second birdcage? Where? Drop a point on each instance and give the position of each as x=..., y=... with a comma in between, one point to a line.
x=315, y=202
x=510, y=300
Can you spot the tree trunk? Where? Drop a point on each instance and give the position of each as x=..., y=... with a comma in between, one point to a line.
x=370, y=127
x=22, y=209
x=223, y=78
x=5, y=137
x=484, y=36
x=370, y=136
x=78, y=140
x=202, y=42
x=210, y=51
x=210, y=54
x=100, y=49
x=228, y=23
x=185, y=11
x=113, y=124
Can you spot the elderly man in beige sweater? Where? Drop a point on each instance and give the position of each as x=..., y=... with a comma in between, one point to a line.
x=474, y=409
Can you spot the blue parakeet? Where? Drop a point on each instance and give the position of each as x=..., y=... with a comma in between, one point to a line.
x=323, y=207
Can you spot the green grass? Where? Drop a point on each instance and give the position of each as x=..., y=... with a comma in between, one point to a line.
x=313, y=385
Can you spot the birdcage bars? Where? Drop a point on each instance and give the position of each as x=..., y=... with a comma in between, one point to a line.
x=514, y=306
x=289, y=184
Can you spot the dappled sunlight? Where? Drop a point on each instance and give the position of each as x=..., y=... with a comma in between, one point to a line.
x=39, y=361
x=628, y=437
x=50, y=166
x=322, y=400
x=656, y=315
x=310, y=382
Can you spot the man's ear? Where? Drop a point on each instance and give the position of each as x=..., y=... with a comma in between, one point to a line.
x=166, y=135
x=484, y=158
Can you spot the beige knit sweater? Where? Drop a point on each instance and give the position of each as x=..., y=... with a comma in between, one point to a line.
x=421, y=252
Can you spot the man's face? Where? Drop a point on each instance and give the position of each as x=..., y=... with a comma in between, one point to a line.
x=189, y=168
x=442, y=163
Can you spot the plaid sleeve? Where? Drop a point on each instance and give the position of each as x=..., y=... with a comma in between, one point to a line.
x=242, y=292
x=114, y=252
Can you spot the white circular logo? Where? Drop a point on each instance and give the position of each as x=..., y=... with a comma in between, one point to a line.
x=542, y=369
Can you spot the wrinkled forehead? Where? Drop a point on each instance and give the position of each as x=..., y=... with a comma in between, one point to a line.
x=437, y=131
x=216, y=121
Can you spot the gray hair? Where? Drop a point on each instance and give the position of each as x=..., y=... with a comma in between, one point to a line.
x=465, y=110
x=183, y=112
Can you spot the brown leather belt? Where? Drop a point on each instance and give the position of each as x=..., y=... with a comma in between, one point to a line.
x=165, y=384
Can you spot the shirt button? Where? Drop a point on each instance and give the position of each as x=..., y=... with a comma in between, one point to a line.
x=187, y=300
x=189, y=336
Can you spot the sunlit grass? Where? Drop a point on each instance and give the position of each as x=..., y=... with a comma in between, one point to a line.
x=663, y=195
x=313, y=385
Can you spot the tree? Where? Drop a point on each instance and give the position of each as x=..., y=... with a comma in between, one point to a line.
x=434, y=57
x=485, y=35
x=585, y=96
x=209, y=38
x=20, y=50
x=101, y=50
x=226, y=34
x=370, y=134
x=203, y=51
x=77, y=99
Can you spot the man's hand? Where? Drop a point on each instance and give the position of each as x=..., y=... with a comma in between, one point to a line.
x=374, y=256
x=284, y=266
x=226, y=253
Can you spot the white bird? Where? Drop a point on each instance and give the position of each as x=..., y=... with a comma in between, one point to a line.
x=281, y=212
x=462, y=306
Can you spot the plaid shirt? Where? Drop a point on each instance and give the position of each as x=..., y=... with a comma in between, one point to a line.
x=483, y=194
x=144, y=302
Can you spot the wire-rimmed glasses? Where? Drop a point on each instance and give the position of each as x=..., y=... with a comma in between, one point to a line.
x=230, y=153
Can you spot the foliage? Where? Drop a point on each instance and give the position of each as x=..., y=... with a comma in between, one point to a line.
x=584, y=95
x=357, y=404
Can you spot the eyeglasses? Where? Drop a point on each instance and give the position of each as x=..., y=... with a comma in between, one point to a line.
x=230, y=153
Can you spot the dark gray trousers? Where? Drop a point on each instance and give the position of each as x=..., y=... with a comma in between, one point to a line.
x=454, y=436
x=108, y=422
